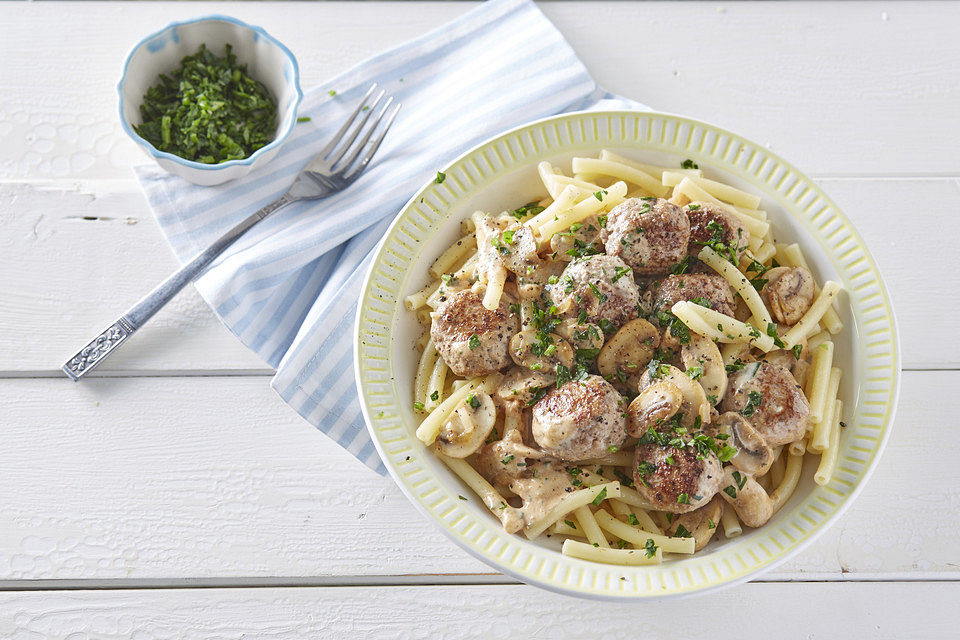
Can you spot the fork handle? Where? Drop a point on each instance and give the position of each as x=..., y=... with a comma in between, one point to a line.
x=97, y=350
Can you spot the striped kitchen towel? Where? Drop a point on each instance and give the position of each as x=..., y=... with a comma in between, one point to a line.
x=288, y=289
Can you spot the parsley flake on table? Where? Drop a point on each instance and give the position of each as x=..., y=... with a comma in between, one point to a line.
x=208, y=110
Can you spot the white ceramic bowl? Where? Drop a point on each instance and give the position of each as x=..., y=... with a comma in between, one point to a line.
x=268, y=61
x=501, y=174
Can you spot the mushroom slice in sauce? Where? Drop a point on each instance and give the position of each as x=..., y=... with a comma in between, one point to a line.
x=754, y=455
x=788, y=293
x=703, y=362
x=628, y=351
x=699, y=524
x=468, y=426
x=655, y=405
x=694, y=399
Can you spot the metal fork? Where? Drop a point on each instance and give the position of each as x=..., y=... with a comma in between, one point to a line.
x=332, y=170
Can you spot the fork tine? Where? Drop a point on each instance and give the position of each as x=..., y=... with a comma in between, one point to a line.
x=365, y=160
x=346, y=125
x=348, y=161
x=352, y=136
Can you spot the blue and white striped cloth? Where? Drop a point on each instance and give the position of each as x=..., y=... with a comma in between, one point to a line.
x=289, y=288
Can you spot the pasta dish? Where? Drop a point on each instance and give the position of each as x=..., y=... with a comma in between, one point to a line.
x=630, y=363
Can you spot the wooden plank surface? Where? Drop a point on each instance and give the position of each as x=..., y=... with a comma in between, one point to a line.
x=880, y=611
x=166, y=478
x=185, y=469
x=845, y=88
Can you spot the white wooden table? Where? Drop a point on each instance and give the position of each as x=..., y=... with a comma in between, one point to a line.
x=176, y=467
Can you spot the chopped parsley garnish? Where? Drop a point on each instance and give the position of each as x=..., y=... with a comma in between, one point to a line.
x=529, y=209
x=727, y=453
x=619, y=273
x=570, y=523
x=602, y=297
x=582, y=249
x=473, y=401
x=754, y=400
x=602, y=220
x=208, y=110
x=606, y=326
x=507, y=459
x=736, y=365
x=624, y=479
x=418, y=405
x=435, y=395
x=650, y=548
x=797, y=348
x=730, y=491
x=304, y=119
x=600, y=497
x=772, y=332
x=645, y=468
x=739, y=479
x=682, y=532
x=599, y=195
x=717, y=243
x=473, y=342
x=441, y=176
x=683, y=498
x=681, y=267
x=632, y=519
x=695, y=372
x=711, y=524
x=693, y=207
x=332, y=92
x=461, y=497
x=689, y=164
x=759, y=269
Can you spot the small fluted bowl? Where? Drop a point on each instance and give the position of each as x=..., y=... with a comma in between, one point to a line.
x=267, y=60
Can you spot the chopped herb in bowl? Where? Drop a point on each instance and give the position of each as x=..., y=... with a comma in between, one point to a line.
x=209, y=110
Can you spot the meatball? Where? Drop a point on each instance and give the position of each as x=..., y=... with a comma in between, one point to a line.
x=472, y=339
x=601, y=286
x=676, y=480
x=580, y=420
x=712, y=288
x=650, y=234
x=702, y=214
x=770, y=397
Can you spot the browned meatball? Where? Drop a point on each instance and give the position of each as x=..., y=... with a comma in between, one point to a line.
x=580, y=420
x=602, y=286
x=650, y=234
x=472, y=339
x=770, y=397
x=675, y=480
x=702, y=214
x=690, y=286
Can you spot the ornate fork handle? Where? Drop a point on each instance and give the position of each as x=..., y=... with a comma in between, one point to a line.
x=116, y=334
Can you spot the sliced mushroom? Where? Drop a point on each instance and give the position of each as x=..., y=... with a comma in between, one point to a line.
x=521, y=385
x=628, y=351
x=468, y=426
x=655, y=404
x=527, y=350
x=700, y=523
x=694, y=399
x=788, y=293
x=702, y=355
x=751, y=502
x=754, y=455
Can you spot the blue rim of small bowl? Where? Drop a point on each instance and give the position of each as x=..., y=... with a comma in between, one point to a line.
x=156, y=153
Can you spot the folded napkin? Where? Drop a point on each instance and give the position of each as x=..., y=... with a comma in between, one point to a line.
x=288, y=289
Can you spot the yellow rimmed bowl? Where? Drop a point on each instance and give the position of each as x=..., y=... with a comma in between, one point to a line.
x=501, y=174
